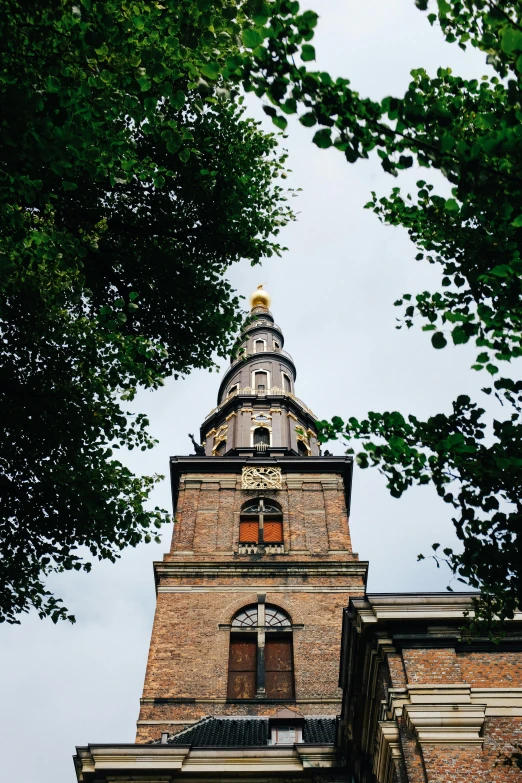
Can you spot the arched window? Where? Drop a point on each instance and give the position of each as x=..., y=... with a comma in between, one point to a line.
x=260, y=381
x=287, y=384
x=221, y=448
x=259, y=346
x=261, y=521
x=260, y=663
x=261, y=436
x=301, y=449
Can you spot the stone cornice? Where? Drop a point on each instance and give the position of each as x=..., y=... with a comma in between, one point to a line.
x=217, y=466
x=428, y=607
x=162, y=762
x=354, y=569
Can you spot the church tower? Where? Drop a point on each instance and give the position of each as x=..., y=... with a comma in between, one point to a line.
x=249, y=645
x=251, y=595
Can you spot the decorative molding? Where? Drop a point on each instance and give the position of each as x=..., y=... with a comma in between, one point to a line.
x=263, y=549
x=446, y=724
x=388, y=751
x=261, y=478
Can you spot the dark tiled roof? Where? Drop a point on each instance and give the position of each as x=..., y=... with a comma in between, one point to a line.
x=244, y=732
x=319, y=731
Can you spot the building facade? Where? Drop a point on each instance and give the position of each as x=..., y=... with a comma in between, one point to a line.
x=268, y=659
x=423, y=701
x=246, y=639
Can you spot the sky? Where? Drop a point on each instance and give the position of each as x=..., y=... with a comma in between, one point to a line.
x=332, y=293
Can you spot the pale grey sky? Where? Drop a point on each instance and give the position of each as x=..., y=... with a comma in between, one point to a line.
x=333, y=294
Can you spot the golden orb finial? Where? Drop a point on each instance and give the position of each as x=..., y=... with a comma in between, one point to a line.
x=260, y=298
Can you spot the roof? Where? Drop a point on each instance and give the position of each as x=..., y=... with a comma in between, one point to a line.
x=247, y=732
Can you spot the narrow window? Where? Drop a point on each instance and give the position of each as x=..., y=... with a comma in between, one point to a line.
x=279, y=677
x=233, y=390
x=259, y=346
x=260, y=383
x=301, y=449
x=242, y=667
x=276, y=345
x=287, y=386
x=221, y=448
x=261, y=658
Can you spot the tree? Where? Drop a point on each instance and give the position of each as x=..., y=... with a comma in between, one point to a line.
x=471, y=131
x=130, y=183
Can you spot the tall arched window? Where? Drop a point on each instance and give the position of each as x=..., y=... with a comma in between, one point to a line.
x=261, y=521
x=260, y=661
x=259, y=346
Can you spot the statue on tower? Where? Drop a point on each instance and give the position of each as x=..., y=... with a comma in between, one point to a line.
x=198, y=448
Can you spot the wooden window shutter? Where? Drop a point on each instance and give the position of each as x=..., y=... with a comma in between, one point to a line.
x=273, y=531
x=249, y=532
x=279, y=670
x=242, y=665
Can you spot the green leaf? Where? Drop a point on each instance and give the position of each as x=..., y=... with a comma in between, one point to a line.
x=323, y=138
x=184, y=155
x=517, y=222
x=178, y=99
x=69, y=185
x=210, y=70
x=451, y=205
x=308, y=119
x=307, y=53
x=459, y=336
x=280, y=122
x=438, y=340
x=511, y=40
x=251, y=38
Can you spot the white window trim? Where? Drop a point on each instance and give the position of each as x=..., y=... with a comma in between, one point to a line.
x=285, y=375
x=253, y=378
x=259, y=340
x=298, y=735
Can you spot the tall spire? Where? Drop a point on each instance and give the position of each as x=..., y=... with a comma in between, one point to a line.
x=257, y=411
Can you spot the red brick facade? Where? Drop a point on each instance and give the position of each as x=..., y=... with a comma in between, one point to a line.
x=204, y=581
x=423, y=705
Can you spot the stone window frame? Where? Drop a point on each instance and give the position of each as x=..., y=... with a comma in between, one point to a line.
x=261, y=630
x=260, y=519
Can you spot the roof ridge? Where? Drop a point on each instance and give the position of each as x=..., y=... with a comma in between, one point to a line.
x=199, y=722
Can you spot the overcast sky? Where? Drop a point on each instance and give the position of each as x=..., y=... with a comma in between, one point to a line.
x=333, y=294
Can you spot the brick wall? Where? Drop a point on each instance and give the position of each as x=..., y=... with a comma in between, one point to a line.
x=314, y=515
x=206, y=585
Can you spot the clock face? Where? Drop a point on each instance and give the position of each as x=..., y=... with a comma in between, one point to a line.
x=261, y=478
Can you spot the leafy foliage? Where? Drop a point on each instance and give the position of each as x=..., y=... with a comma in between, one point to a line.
x=130, y=183
x=471, y=131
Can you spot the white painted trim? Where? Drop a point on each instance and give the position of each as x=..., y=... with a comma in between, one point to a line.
x=285, y=375
x=253, y=378
x=255, y=342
